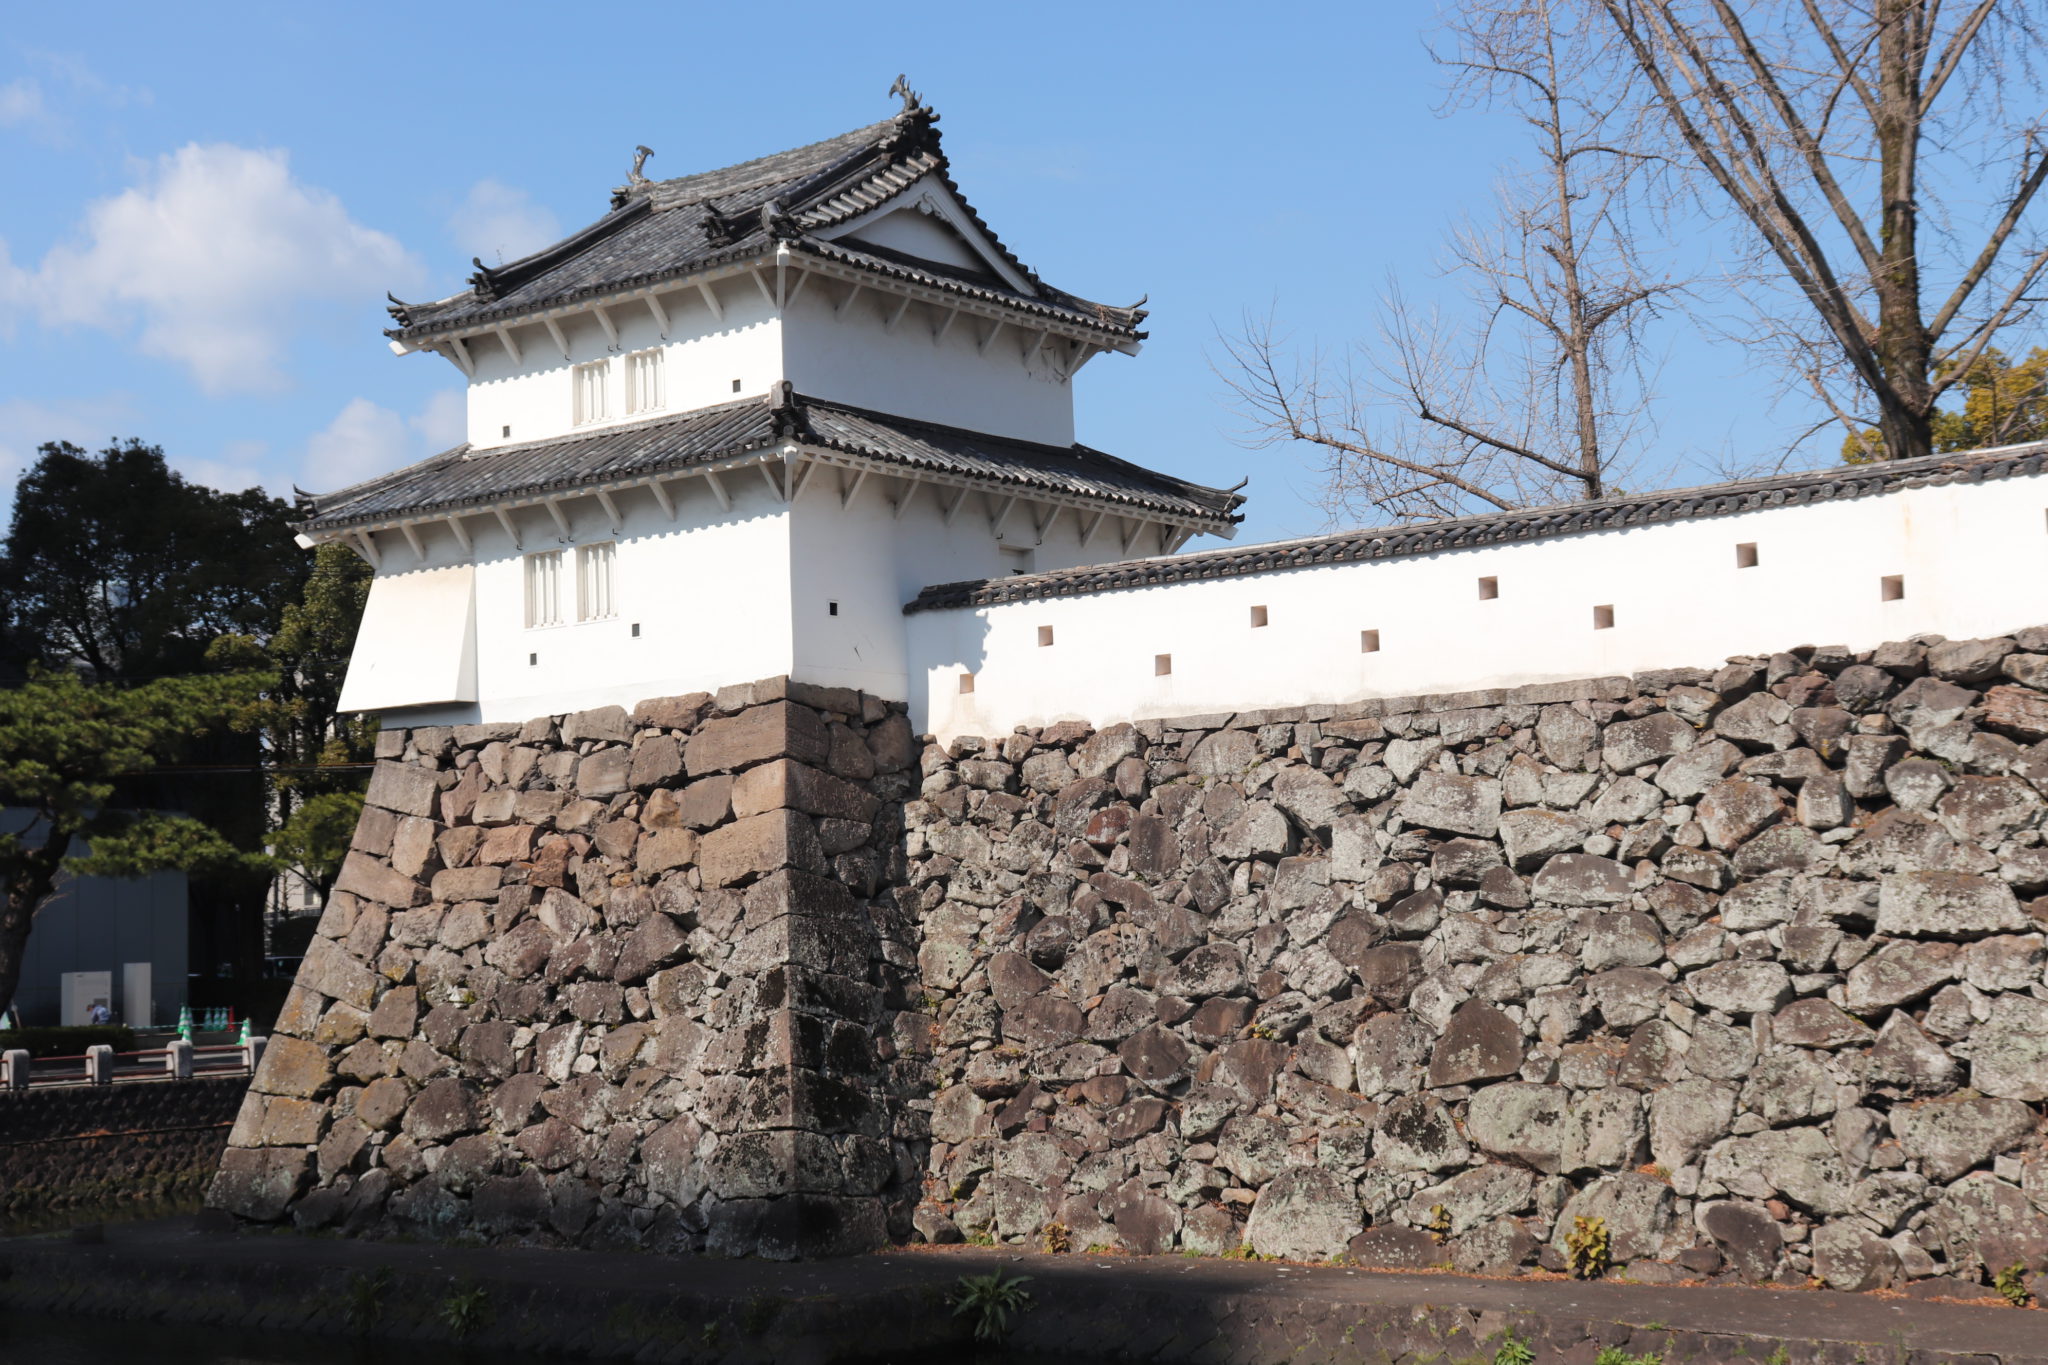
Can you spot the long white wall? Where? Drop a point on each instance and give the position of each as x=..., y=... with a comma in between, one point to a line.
x=1973, y=559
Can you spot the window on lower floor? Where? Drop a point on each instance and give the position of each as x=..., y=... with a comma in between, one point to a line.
x=544, y=589
x=594, y=592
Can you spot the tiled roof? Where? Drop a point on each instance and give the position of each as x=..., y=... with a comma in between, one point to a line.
x=666, y=229
x=466, y=478
x=1536, y=523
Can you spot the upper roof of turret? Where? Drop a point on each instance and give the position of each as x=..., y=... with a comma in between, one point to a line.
x=665, y=229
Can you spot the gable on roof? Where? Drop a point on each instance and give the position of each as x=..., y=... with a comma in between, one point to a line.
x=929, y=222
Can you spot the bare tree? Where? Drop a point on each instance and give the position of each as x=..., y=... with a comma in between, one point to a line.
x=1535, y=391
x=1868, y=149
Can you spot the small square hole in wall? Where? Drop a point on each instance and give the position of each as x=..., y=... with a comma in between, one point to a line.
x=735, y=386
x=636, y=630
x=1489, y=588
x=1745, y=555
x=1368, y=642
x=532, y=659
x=1891, y=588
x=1162, y=664
x=831, y=608
x=1258, y=617
x=1044, y=636
x=507, y=431
x=966, y=683
x=1603, y=618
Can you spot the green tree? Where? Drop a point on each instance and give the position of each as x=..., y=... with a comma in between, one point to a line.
x=309, y=743
x=68, y=746
x=2005, y=402
x=118, y=566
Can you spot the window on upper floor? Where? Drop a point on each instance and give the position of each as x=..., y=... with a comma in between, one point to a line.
x=643, y=382
x=591, y=391
x=594, y=600
x=544, y=589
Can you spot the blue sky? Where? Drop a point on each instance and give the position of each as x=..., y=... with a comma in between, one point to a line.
x=201, y=206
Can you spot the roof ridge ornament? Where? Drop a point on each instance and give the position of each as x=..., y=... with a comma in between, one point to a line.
x=913, y=102
x=720, y=230
x=636, y=179
x=400, y=310
x=483, y=281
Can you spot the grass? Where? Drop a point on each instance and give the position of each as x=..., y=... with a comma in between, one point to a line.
x=466, y=1309
x=991, y=1301
x=1513, y=1351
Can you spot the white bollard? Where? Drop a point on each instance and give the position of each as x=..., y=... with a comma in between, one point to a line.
x=252, y=1053
x=178, y=1060
x=14, y=1064
x=99, y=1064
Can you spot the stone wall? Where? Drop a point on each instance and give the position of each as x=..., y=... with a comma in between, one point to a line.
x=608, y=978
x=63, y=1146
x=1743, y=963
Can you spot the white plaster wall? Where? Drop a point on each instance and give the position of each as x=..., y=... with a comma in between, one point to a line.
x=869, y=561
x=1974, y=559
x=855, y=359
x=702, y=357
x=710, y=592
x=417, y=640
x=916, y=233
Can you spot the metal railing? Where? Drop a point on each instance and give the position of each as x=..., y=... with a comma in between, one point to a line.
x=178, y=1061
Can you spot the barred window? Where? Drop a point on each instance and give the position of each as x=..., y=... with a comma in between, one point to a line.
x=594, y=600
x=590, y=392
x=643, y=382
x=544, y=589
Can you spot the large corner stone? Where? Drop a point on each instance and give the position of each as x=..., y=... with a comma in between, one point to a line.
x=758, y=845
x=776, y=730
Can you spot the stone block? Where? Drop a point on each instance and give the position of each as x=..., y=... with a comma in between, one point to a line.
x=758, y=845
x=259, y=1183
x=604, y=772
x=404, y=788
x=657, y=762
x=1947, y=905
x=374, y=880
x=775, y=730
x=785, y=785
x=293, y=1067
x=607, y=724
x=1453, y=804
x=330, y=970
x=467, y=883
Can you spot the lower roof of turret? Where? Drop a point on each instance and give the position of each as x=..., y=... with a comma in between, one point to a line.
x=466, y=478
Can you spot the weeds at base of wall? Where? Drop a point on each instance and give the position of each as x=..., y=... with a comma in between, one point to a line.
x=466, y=1309
x=2011, y=1284
x=991, y=1300
x=1587, y=1250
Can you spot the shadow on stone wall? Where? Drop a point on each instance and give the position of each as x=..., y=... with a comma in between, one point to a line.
x=609, y=979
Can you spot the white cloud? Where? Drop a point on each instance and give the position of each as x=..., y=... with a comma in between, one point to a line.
x=21, y=102
x=365, y=440
x=497, y=223
x=443, y=422
x=214, y=257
